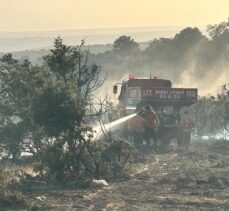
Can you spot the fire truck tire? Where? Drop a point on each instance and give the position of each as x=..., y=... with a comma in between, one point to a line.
x=180, y=138
x=179, y=141
x=165, y=141
x=184, y=139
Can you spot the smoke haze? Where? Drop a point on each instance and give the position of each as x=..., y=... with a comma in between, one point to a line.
x=189, y=57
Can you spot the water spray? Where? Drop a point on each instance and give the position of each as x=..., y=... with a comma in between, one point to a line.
x=110, y=127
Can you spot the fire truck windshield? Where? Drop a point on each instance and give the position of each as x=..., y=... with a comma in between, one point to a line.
x=134, y=92
x=134, y=95
x=133, y=101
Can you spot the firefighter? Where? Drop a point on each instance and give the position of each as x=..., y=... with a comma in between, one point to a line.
x=187, y=125
x=136, y=128
x=151, y=123
x=186, y=121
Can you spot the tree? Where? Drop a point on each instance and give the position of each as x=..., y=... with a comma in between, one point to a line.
x=44, y=111
x=187, y=37
x=19, y=84
x=160, y=51
x=62, y=60
x=125, y=45
x=41, y=103
x=57, y=109
x=70, y=65
x=223, y=96
x=61, y=109
x=209, y=112
x=217, y=30
x=173, y=53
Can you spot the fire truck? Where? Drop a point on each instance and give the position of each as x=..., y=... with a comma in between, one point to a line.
x=172, y=105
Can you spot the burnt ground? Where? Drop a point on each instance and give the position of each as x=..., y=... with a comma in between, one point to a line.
x=173, y=179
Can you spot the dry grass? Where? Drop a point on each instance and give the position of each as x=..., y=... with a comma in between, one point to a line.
x=194, y=179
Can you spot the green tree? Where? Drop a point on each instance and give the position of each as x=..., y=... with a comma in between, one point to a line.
x=160, y=51
x=223, y=96
x=62, y=60
x=70, y=65
x=209, y=116
x=125, y=45
x=61, y=109
x=217, y=30
x=57, y=109
x=174, y=53
x=188, y=37
x=43, y=109
x=19, y=84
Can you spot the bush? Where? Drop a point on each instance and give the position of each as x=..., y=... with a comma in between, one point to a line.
x=92, y=159
x=8, y=197
x=116, y=159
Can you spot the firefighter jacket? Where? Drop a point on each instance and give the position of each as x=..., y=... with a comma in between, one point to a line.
x=136, y=124
x=186, y=124
x=150, y=119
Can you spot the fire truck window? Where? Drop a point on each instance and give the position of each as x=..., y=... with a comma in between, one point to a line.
x=133, y=93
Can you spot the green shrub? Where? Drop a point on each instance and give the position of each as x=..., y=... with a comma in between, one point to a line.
x=8, y=197
x=91, y=159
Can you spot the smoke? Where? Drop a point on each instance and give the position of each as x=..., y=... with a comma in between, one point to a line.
x=208, y=81
x=206, y=85
x=107, y=88
x=206, y=75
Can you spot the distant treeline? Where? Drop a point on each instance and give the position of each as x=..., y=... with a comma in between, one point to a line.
x=190, y=58
x=187, y=49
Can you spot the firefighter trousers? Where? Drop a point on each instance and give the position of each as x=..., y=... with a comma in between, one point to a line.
x=150, y=133
x=137, y=137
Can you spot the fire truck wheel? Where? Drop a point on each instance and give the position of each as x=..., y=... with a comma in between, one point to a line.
x=165, y=141
x=180, y=139
x=184, y=139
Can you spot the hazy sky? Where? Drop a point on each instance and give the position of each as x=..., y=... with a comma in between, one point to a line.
x=23, y=15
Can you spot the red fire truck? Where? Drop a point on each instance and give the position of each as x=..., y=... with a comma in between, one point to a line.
x=170, y=104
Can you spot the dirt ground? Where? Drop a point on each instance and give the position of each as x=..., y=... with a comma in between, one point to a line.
x=172, y=179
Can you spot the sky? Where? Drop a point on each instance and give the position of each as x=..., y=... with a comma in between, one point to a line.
x=36, y=15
